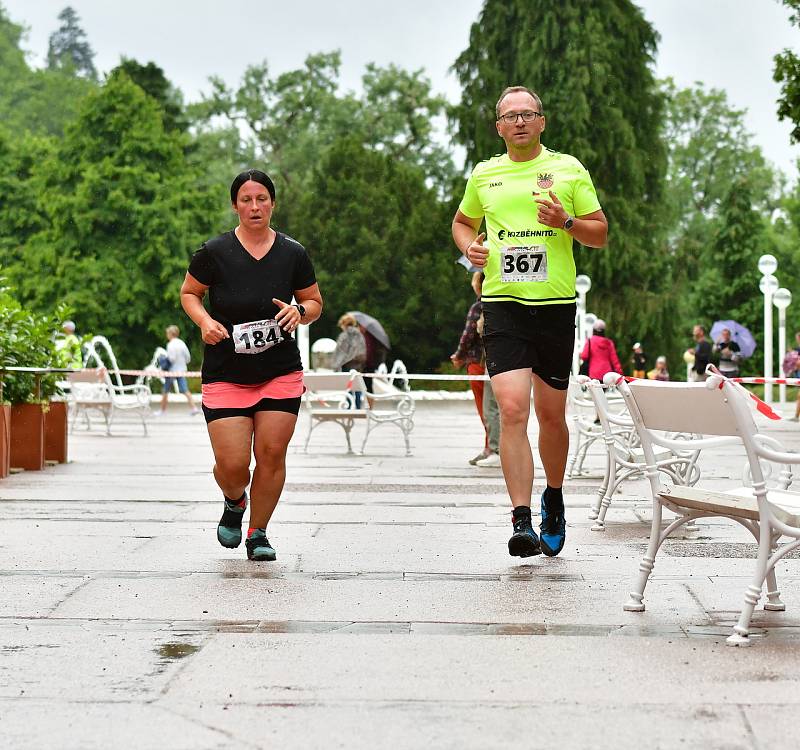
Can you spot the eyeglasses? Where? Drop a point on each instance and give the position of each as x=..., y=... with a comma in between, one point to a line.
x=527, y=116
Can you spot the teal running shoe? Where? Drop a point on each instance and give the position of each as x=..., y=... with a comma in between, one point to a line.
x=229, y=529
x=259, y=548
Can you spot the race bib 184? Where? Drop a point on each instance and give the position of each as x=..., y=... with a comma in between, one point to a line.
x=256, y=337
x=524, y=263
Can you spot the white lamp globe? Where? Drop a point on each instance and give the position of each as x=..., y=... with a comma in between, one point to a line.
x=768, y=284
x=782, y=298
x=582, y=283
x=767, y=264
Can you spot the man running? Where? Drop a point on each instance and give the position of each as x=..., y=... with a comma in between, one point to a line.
x=535, y=202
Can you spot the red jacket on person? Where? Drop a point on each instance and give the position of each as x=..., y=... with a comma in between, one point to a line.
x=602, y=356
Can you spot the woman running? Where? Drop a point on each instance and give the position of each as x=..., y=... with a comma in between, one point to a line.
x=252, y=373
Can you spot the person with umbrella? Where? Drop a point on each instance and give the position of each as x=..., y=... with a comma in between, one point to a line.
x=377, y=343
x=729, y=353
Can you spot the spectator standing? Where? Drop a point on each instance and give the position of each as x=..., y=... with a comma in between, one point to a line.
x=600, y=353
x=470, y=353
x=179, y=358
x=728, y=352
x=68, y=347
x=639, y=360
x=351, y=349
x=796, y=374
x=660, y=371
x=701, y=353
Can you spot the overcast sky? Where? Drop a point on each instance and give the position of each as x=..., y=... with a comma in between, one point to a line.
x=727, y=44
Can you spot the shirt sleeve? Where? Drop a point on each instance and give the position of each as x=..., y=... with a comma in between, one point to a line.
x=202, y=266
x=304, y=275
x=584, y=196
x=471, y=203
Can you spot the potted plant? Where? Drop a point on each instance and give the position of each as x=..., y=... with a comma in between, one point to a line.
x=26, y=340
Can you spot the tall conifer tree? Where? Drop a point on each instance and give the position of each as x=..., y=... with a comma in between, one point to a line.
x=591, y=63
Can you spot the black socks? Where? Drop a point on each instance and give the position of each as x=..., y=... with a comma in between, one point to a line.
x=554, y=499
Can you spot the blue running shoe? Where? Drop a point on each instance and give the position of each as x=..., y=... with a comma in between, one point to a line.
x=523, y=542
x=229, y=529
x=258, y=547
x=553, y=529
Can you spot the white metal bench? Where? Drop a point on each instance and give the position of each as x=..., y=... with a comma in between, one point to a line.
x=330, y=398
x=96, y=390
x=722, y=409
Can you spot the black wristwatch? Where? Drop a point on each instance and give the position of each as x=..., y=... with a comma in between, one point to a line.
x=569, y=223
x=301, y=310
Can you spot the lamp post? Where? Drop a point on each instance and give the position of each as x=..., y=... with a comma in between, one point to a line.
x=582, y=286
x=768, y=285
x=782, y=299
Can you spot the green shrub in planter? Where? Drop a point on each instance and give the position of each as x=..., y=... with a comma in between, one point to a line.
x=26, y=340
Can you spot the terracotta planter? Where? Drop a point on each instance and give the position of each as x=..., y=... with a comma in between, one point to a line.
x=27, y=436
x=55, y=432
x=5, y=440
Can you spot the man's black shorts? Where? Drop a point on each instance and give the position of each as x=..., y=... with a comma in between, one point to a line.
x=539, y=337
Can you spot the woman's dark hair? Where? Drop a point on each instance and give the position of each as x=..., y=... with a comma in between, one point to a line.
x=256, y=175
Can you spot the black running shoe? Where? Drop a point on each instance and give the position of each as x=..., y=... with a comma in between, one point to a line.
x=553, y=528
x=523, y=542
x=229, y=529
x=259, y=548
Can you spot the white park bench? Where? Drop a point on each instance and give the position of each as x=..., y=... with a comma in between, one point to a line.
x=330, y=398
x=101, y=389
x=768, y=510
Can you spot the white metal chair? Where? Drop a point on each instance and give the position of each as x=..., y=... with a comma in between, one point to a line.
x=718, y=408
x=625, y=458
x=587, y=431
x=102, y=389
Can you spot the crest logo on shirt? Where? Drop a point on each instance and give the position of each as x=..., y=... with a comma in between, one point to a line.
x=544, y=180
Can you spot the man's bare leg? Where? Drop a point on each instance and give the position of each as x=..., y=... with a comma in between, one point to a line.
x=512, y=390
x=513, y=393
x=550, y=406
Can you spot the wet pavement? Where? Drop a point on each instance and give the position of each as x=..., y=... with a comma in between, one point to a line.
x=392, y=617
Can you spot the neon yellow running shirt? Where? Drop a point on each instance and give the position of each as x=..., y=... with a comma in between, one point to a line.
x=528, y=262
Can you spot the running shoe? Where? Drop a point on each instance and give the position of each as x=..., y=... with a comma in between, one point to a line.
x=229, y=529
x=258, y=547
x=485, y=452
x=553, y=529
x=491, y=461
x=523, y=542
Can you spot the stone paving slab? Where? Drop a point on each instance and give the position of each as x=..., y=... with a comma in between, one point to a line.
x=393, y=616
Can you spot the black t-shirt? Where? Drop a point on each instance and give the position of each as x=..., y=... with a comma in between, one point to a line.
x=702, y=356
x=241, y=289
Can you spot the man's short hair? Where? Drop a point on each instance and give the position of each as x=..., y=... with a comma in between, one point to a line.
x=174, y=330
x=512, y=90
x=702, y=328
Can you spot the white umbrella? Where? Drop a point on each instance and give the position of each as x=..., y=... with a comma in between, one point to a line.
x=373, y=326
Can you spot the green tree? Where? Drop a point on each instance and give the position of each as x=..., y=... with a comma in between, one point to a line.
x=605, y=113
x=787, y=73
x=377, y=234
x=40, y=101
x=710, y=151
x=122, y=212
x=152, y=80
x=68, y=49
x=19, y=215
